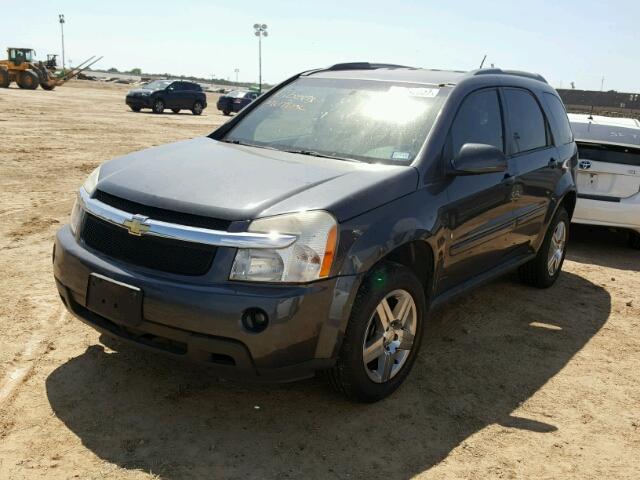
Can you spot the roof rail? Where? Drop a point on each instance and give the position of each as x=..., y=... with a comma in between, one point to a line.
x=363, y=66
x=516, y=73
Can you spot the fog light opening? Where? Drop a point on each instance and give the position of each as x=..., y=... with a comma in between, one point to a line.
x=255, y=320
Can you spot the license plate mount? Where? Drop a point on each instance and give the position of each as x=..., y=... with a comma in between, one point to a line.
x=116, y=301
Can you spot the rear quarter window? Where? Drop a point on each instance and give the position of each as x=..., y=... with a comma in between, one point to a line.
x=563, y=133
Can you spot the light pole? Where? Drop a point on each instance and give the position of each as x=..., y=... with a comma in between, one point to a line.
x=61, y=19
x=237, y=70
x=260, y=31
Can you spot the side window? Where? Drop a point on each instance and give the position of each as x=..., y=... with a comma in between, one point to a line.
x=559, y=114
x=528, y=126
x=175, y=87
x=479, y=120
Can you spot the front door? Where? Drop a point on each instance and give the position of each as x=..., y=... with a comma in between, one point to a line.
x=480, y=217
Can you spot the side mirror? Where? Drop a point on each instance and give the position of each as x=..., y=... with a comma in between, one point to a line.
x=478, y=158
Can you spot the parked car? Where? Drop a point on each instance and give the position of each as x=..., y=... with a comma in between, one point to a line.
x=608, y=177
x=317, y=228
x=172, y=94
x=235, y=100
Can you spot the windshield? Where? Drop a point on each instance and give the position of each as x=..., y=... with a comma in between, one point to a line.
x=157, y=85
x=366, y=120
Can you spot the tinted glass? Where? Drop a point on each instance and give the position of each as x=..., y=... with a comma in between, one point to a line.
x=527, y=121
x=609, y=154
x=365, y=120
x=191, y=86
x=157, y=85
x=479, y=120
x=563, y=135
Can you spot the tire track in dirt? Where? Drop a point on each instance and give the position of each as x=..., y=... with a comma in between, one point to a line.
x=26, y=360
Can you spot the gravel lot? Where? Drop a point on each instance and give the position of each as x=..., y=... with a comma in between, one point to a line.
x=511, y=382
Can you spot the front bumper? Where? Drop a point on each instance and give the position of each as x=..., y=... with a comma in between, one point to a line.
x=201, y=320
x=622, y=214
x=141, y=102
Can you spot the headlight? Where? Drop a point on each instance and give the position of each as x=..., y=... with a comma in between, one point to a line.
x=76, y=216
x=92, y=180
x=308, y=258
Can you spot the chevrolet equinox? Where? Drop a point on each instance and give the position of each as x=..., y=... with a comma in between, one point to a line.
x=315, y=230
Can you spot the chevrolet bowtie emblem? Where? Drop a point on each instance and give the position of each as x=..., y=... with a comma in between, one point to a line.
x=136, y=225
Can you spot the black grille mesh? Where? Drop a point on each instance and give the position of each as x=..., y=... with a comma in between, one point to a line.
x=162, y=254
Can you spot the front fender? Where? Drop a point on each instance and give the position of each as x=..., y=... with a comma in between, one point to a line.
x=367, y=239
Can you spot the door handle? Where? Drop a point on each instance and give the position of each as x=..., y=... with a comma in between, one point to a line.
x=553, y=163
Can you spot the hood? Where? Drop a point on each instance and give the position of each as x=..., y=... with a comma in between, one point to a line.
x=139, y=91
x=233, y=182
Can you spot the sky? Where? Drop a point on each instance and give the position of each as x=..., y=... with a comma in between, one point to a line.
x=564, y=40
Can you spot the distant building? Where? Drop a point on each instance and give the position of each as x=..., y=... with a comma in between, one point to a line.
x=615, y=104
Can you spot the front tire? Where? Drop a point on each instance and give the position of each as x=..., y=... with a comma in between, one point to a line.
x=226, y=113
x=383, y=335
x=28, y=80
x=634, y=240
x=135, y=109
x=544, y=269
x=158, y=106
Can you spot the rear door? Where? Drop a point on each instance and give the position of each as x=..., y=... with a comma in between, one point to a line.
x=536, y=164
x=172, y=96
x=479, y=211
x=190, y=94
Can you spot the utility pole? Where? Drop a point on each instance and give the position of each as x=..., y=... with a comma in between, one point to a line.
x=602, y=84
x=237, y=70
x=62, y=22
x=260, y=31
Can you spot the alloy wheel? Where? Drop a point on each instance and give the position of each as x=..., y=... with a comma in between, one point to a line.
x=556, y=248
x=389, y=336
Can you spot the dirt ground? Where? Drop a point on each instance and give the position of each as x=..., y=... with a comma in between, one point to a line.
x=511, y=382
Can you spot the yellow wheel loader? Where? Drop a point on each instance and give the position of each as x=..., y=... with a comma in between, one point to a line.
x=21, y=68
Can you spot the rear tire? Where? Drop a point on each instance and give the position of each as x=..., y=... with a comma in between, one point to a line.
x=391, y=350
x=135, y=109
x=4, y=78
x=158, y=106
x=634, y=239
x=545, y=268
x=226, y=112
x=46, y=86
x=28, y=80
x=175, y=110
x=197, y=108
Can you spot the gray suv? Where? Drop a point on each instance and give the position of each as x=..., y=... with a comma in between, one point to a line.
x=316, y=229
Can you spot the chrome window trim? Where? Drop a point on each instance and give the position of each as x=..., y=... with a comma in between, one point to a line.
x=183, y=233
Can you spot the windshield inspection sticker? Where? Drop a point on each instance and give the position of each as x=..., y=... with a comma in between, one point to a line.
x=400, y=156
x=415, y=91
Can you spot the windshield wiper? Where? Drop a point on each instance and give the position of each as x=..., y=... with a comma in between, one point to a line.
x=313, y=153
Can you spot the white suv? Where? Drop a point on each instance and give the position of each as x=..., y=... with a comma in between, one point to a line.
x=608, y=177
